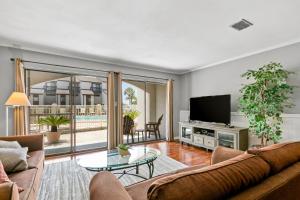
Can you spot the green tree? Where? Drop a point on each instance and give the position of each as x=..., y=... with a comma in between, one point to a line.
x=264, y=100
x=130, y=96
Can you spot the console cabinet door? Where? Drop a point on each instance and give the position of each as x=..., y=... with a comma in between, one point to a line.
x=228, y=140
x=186, y=133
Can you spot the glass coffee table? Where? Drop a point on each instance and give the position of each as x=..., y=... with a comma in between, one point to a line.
x=112, y=161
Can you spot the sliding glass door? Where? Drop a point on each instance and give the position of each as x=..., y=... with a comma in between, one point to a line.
x=145, y=105
x=156, y=94
x=90, y=112
x=80, y=100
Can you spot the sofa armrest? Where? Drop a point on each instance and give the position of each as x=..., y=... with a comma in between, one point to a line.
x=105, y=186
x=33, y=142
x=9, y=191
x=221, y=154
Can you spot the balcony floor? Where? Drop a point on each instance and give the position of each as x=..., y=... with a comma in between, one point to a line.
x=86, y=140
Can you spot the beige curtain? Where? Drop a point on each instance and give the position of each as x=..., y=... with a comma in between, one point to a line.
x=119, y=136
x=170, y=133
x=20, y=113
x=111, y=111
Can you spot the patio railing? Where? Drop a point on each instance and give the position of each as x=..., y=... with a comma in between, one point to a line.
x=87, y=117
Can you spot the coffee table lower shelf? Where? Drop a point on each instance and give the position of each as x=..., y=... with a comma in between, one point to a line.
x=149, y=163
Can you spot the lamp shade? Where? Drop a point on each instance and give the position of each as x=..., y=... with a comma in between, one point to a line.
x=17, y=99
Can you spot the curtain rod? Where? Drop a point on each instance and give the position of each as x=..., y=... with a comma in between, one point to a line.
x=67, y=66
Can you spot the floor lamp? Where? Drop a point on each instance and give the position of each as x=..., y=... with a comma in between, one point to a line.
x=16, y=99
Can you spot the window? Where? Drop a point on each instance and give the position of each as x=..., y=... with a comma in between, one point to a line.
x=50, y=88
x=36, y=99
x=96, y=88
x=63, y=99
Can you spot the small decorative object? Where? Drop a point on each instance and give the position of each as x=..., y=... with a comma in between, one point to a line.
x=53, y=121
x=264, y=99
x=123, y=149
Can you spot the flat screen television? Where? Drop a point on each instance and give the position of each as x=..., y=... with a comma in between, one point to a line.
x=211, y=109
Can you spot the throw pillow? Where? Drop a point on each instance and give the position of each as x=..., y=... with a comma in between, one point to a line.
x=4, y=178
x=14, y=159
x=9, y=144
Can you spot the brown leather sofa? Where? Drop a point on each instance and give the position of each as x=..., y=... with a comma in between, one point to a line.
x=272, y=172
x=28, y=179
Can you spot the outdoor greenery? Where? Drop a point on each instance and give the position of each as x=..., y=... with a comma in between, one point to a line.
x=130, y=96
x=132, y=113
x=264, y=100
x=54, y=121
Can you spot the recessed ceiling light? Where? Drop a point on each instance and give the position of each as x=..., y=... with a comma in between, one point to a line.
x=241, y=25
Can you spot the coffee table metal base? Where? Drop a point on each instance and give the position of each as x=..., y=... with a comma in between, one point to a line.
x=150, y=165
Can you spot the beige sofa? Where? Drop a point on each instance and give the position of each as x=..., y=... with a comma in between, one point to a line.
x=28, y=179
x=269, y=173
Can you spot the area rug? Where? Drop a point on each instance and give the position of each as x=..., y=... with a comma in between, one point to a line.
x=68, y=181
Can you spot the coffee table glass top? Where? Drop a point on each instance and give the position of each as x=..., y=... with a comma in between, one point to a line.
x=111, y=160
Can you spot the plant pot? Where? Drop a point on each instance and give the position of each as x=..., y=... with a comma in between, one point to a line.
x=53, y=137
x=123, y=152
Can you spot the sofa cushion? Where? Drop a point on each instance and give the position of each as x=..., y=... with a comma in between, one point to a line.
x=221, y=154
x=279, y=156
x=14, y=159
x=217, y=181
x=36, y=159
x=284, y=185
x=24, y=179
x=139, y=190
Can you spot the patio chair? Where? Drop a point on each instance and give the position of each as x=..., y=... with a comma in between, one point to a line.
x=153, y=127
x=128, y=125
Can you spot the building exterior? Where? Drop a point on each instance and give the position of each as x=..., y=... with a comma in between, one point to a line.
x=87, y=91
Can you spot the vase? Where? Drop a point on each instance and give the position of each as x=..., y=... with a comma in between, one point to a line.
x=53, y=137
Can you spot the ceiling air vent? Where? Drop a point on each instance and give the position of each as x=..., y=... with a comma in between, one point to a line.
x=241, y=25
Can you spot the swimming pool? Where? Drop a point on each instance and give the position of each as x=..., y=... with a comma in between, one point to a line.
x=91, y=117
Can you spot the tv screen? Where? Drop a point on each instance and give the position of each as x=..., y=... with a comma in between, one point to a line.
x=211, y=109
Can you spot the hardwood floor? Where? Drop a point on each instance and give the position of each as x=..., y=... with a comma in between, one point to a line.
x=185, y=154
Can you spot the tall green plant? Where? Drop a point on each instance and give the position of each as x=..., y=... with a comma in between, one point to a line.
x=264, y=100
x=54, y=121
x=132, y=113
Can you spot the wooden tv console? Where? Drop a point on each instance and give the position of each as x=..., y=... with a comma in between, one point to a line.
x=211, y=135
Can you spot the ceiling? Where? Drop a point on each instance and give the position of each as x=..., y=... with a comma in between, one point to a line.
x=169, y=35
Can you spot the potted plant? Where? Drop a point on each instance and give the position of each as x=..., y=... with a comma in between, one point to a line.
x=54, y=122
x=123, y=149
x=133, y=114
x=264, y=99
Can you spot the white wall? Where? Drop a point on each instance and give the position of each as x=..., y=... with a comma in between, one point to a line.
x=226, y=78
x=7, y=75
x=290, y=127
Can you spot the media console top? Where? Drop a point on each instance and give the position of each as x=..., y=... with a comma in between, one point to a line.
x=214, y=126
